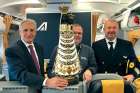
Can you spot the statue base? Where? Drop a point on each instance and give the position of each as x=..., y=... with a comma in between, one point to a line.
x=72, y=80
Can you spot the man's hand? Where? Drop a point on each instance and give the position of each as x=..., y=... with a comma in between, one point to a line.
x=87, y=75
x=57, y=82
x=128, y=77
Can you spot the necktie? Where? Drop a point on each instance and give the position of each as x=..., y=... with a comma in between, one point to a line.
x=111, y=46
x=32, y=52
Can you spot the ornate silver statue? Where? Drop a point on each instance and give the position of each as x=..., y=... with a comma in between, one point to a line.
x=67, y=63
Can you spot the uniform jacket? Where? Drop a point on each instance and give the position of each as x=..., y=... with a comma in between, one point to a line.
x=117, y=61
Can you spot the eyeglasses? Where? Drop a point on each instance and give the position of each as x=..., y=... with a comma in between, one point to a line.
x=79, y=33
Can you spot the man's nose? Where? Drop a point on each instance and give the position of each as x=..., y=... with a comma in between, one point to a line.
x=76, y=34
x=112, y=30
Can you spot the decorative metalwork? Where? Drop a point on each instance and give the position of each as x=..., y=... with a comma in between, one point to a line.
x=67, y=63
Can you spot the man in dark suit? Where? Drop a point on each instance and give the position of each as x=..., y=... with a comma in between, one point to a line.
x=114, y=55
x=86, y=56
x=26, y=60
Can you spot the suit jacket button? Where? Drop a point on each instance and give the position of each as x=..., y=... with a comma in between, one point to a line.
x=120, y=64
x=103, y=62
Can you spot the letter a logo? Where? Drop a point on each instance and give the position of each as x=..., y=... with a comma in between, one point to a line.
x=42, y=27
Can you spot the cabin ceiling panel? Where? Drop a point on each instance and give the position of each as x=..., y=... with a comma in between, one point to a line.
x=14, y=7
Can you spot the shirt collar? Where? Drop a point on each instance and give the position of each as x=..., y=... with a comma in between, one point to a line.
x=27, y=44
x=114, y=41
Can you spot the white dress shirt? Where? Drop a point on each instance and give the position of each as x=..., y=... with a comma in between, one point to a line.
x=114, y=43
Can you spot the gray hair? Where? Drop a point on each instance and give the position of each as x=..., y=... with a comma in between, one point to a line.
x=28, y=20
x=111, y=20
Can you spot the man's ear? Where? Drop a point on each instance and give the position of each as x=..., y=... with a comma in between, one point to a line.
x=19, y=32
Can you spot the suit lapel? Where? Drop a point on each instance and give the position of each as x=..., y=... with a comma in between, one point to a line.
x=24, y=49
x=27, y=54
x=105, y=48
x=116, y=50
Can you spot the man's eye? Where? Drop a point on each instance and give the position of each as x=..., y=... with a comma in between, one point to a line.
x=31, y=30
x=25, y=30
x=78, y=33
x=109, y=27
x=114, y=27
